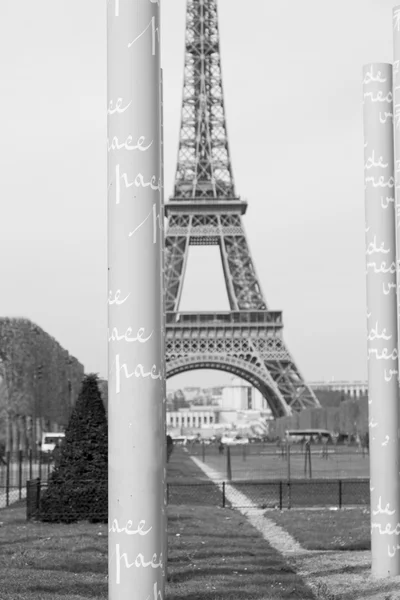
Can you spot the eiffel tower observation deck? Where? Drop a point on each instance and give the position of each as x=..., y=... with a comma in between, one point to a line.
x=205, y=209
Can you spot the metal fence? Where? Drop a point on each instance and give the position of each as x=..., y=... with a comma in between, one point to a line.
x=15, y=471
x=239, y=494
x=269, y=461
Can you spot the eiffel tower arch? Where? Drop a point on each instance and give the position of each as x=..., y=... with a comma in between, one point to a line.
x=205, y=210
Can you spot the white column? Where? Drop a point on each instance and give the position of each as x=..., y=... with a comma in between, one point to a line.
x=382, y=320
x=136, y=416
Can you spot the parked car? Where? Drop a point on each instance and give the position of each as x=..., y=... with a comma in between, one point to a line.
x=50, y=440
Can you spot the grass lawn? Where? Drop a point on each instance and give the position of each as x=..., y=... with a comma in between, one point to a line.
x=182, y=469
x=214, y=554
x=269, y=464
x=327, y=529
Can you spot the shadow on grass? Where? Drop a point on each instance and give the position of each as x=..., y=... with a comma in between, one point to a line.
x=80, y=590
x=78, y=567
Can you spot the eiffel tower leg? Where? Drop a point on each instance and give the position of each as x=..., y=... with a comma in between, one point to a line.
x=176, y=253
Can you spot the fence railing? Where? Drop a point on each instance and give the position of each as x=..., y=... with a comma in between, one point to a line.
x=16, y=469
x=269, y=461
x=277, y=494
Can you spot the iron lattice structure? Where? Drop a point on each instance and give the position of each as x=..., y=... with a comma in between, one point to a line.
x=204, y=209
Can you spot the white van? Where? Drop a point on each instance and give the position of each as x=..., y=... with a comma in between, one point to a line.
x=49, y=441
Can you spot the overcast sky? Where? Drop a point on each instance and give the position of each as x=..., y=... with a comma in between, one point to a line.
x=293, y=91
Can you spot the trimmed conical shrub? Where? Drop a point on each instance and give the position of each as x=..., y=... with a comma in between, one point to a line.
x=77, y=488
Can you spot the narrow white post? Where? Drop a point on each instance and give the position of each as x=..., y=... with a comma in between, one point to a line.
x=396, y=138
x=163, y=315
x=382, y=319
x=136, y=414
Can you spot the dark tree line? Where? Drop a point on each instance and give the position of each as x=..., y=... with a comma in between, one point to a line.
x=39, y=381
x=349, y=417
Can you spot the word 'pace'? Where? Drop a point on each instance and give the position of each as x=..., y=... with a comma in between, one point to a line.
x=128, y=528
x=154, y=563
x=128, y=144
x=138, y=372
x=127, y=336
x=138, y=182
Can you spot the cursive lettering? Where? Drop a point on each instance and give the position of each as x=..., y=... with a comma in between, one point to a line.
x=118, y=178
x=115, y=337
x=386, y=441
x=387, y=530
x=156, y=217
x=383, y=511
x=390, y=286
x=386, y=201
x=139, y=182
x=386, y=116
x=116, y=298
x=384, y=356
x=372, y=163
x=156, y=592
x=379, y=96
x=154, y=30
x=375, y=335
x=127, y=144
x=382, y=269
x=128, y=528
x=138, y=562
x=139, y=372
x=380, y=182
x=370, y=77
x=373, y=247
x=394, y=550
x=391, y=373
x=117, y=108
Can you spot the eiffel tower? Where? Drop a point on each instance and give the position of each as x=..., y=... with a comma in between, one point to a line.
x=205, y=209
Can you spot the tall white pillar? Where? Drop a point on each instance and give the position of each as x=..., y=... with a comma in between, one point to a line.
x=382, y=319
x=136, y=414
